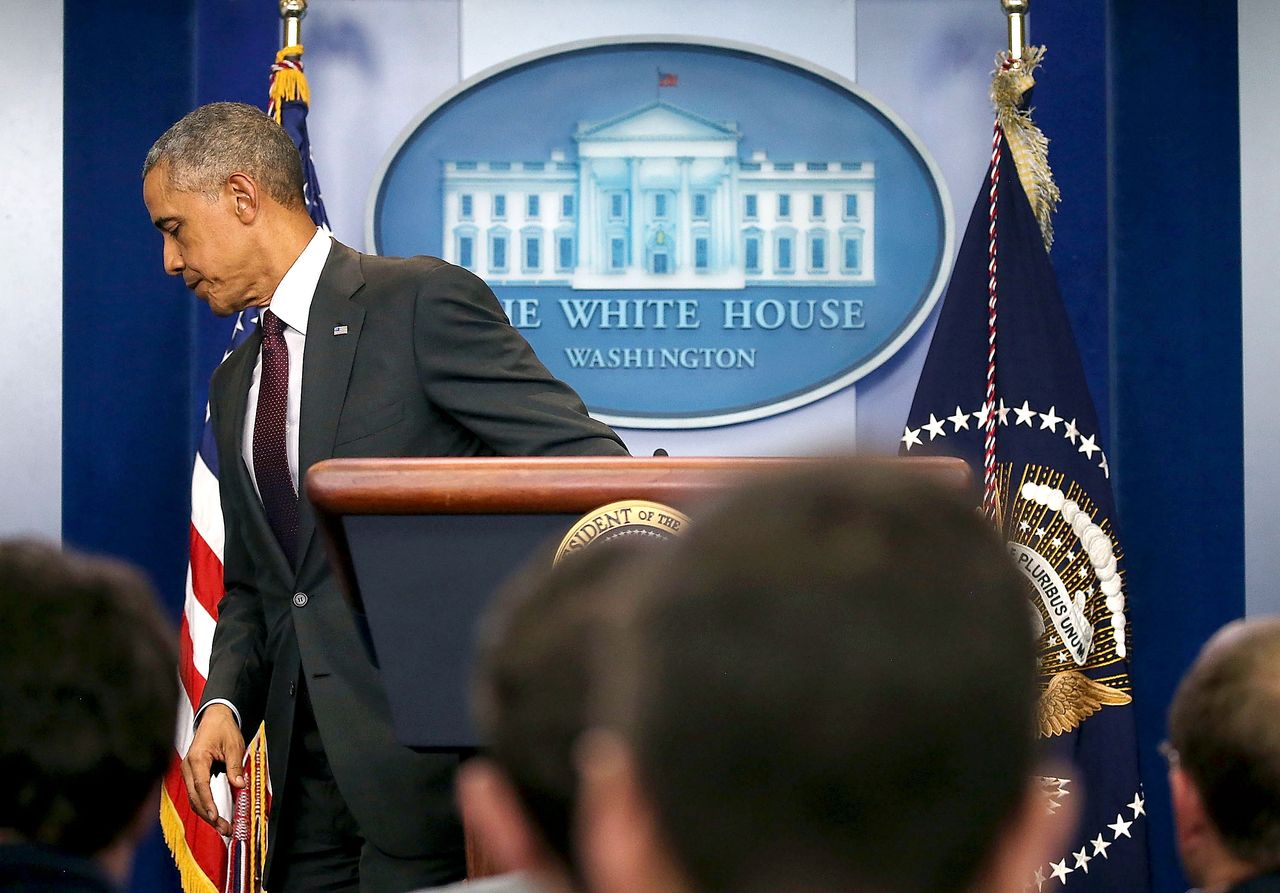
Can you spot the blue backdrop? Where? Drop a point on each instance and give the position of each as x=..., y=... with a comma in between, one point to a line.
x=1139, y=108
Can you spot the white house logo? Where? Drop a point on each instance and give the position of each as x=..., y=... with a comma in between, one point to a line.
x=721, y=243
x=658, y=199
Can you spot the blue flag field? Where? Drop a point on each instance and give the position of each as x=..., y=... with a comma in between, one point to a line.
x=1052, y=499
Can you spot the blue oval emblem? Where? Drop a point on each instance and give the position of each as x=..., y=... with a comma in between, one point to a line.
x=691, y=235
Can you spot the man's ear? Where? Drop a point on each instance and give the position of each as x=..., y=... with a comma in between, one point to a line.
x=1034, y=837
x=244, y=195
x=1190, y=820
x=493, y=813
x=621, y=847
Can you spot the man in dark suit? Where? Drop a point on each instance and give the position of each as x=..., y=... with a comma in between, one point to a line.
x=355, y=356
x=1224, y=761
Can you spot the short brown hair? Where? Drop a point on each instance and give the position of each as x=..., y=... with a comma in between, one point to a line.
x=832, y=687
x=213, y=142
x=89, y=690
x=1224, y=722
x=538, y=650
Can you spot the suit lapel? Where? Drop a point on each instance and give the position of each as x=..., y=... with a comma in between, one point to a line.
x=333, y=332
x=239, y=370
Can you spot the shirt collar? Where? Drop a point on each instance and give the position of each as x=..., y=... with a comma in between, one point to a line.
x=292, y=300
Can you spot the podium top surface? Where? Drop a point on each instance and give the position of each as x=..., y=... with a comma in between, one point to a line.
x=340, y=487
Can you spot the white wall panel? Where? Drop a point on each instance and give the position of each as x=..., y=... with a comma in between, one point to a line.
x=821, y=31
x=1260, y=213
x=31, y=267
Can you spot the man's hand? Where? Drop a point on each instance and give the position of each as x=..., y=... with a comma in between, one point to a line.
x=218, y=746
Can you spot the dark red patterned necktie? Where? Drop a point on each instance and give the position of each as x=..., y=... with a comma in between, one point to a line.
x=270, y=453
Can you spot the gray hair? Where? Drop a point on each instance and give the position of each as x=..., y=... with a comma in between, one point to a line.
x=217, y=140
x=1223, y=725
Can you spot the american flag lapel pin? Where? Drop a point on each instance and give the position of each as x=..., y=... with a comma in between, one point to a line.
x=339, y=330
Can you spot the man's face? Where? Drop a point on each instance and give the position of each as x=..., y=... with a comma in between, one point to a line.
x=205, y=242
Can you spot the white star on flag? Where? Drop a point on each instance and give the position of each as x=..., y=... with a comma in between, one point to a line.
x=936, y=427
x=1088, y=447
x=1024, y=413
x=981, y=415
x=1050, y=420
x=1003, y=411
x=1060, y=871
x=1040, y=531
x=1100, y=847
x=911, y=437
x=1039, y=879
x=1072, y=432
x=960, y=419
x=1138, y=805
x=1071, y=556
x=1106, y=469
x=1082, y=860
x=1057, y=542
x=1120, y=826
x=1024, y=526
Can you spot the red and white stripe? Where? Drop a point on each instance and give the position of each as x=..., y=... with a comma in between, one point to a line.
x=204, y=863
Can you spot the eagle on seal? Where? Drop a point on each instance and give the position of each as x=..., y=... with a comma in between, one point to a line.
x=1072, y=697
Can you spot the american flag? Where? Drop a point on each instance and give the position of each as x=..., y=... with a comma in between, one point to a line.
x=207, y=862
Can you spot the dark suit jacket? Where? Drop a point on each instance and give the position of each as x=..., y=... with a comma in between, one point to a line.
x=428, y=367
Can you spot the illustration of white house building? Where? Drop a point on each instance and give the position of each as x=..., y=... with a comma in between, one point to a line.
x=659, y=199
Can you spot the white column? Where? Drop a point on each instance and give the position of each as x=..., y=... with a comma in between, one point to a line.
x=636, y=210
x=684, y=219
x=731, y=217
x=586, y=231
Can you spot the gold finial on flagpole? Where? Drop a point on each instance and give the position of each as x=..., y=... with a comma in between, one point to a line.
x=292, y=11
x=1016, y=12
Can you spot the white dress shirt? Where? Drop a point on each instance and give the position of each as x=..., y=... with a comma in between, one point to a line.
x=292, y=303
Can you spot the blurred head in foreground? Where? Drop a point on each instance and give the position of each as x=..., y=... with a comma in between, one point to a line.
x=89, y=697
x=538, y=647
x=1224, y=762
x=829, y=685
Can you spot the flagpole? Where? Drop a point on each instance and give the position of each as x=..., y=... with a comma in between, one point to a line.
x=1015, y=12
x=292, y=12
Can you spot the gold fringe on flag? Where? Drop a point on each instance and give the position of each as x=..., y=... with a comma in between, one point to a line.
x=190, y=874
x=1030, y=147
x=288, y=83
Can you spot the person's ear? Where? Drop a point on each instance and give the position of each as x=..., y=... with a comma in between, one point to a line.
x=1190, y=820
x=494, y=815
x=620, y=844
x=1035, y=836
x=244, y=195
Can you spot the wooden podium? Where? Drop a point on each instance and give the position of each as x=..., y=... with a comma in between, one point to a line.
x=420, y=545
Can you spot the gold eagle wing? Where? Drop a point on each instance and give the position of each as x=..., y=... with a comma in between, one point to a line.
x=1072, y=697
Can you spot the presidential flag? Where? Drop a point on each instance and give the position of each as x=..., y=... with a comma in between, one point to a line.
x=1003, y=388
x=206, y=861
